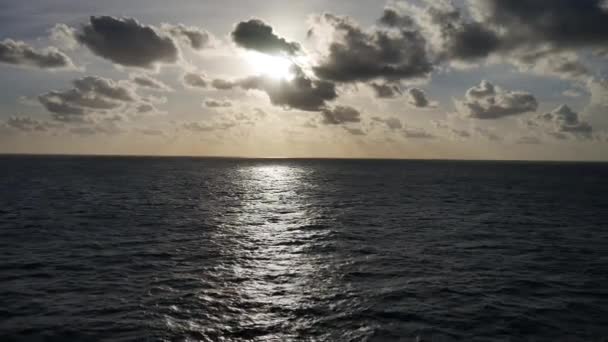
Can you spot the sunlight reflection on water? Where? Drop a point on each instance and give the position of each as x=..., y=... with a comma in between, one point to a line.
x=273, y=258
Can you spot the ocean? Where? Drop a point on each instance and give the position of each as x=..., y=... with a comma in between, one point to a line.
x=198, y=249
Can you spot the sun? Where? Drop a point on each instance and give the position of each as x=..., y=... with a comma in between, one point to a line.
x=276, y=67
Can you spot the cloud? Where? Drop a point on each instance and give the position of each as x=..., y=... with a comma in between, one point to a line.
x=417, y=133
x=84, y=130
x=90, y=95
x=127, y=42
x=220, y=84
x=301, y=92
x=490, y=102
x=145, y=108
x=395, y=125
x=106, y=88
x=549, y=62
x=391, y=17
x=463, y=134
x=200, y=127
x=460, y=133
x=563, y=122
x=488, y=134
x=528, y=141
x=151, y=132
x=89, y=130
x=225, y=122
x=599, y=92
x=21, y=54
x=195, y=37
x=453, y=132
x=148, y=82
x=355, y=55
x=354, y=131
x=450, y=34
x=391, y=123
x=560, y=23
x=192, y=80
x=417, y=98
x=258, y=36
x=28, y=101
x=27, y=124
x=540, y=36
x=340, y=115
x=211, y=103
x=386, y=90
x=64, y=36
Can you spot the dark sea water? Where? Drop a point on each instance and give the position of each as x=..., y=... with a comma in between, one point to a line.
x=179, y=249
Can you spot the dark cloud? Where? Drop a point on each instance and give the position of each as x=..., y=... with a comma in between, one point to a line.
x=560, y=23
x=66, y=105
x=461, y=133
x=392, y=123
x=487, y=101
x=417, y=98
x=301, y=92
x=258, y=36
x=356, y=55
x=457, y=38
x=386, y=90
x=73, y=105
x=196, y=37
x=127, y=42
x=340, y=115
x=106, y=88
x=393, y=18
x=145, y=108
x=220, y=84
x=21, y=54
x=354, y=131
x=192, y=80
x=145, y=81
x=211, y=103
x=89, y=95
x=537, y=35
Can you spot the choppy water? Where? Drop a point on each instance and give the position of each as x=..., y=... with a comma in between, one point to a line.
x=129, y=249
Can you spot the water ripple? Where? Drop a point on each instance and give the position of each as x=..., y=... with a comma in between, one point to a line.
x=122, y=249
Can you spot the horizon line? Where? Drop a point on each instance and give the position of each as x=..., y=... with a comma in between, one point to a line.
x=227, y=157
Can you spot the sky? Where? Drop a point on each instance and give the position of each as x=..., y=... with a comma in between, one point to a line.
x=464, y=79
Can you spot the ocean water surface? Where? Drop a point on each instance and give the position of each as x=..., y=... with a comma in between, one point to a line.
x=187, y=249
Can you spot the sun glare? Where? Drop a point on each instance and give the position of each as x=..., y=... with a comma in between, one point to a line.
x=276, y=67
